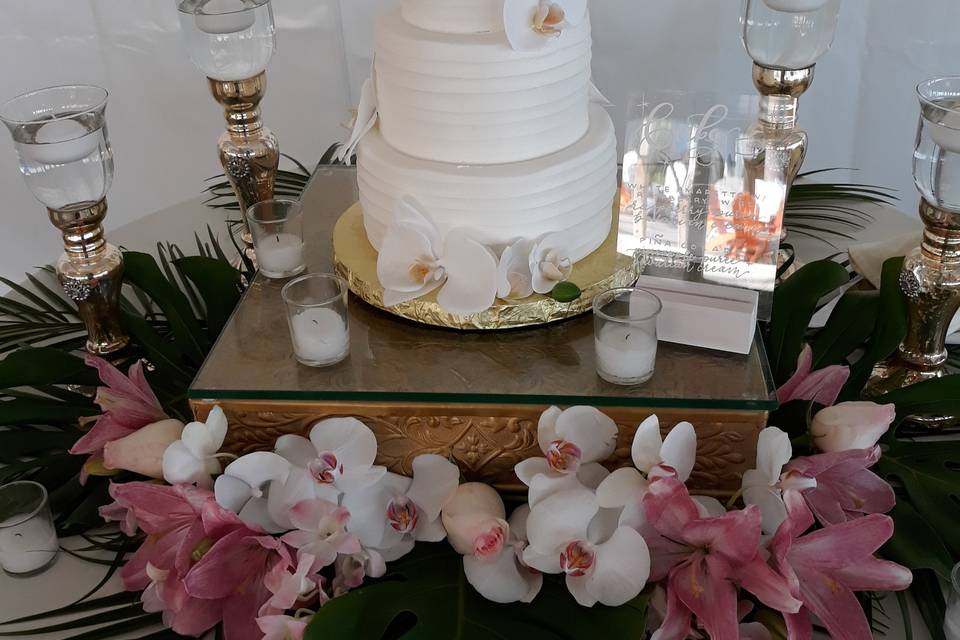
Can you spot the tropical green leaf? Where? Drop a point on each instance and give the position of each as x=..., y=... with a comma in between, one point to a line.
x=19, y=444
x=929, y=475
x=929, y=600
x=427, y=592
x=106, y=602
x=220, y=288
x=794, y=303
x=29, y=411
x=850, y=324
x=141, y=269
x=915, y=543
x=891, y=327
x=940, y=396
x=41, y=366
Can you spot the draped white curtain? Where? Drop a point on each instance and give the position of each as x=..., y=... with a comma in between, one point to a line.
x=861, y=111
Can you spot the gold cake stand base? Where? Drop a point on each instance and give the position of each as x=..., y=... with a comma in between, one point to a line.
x=356, y=261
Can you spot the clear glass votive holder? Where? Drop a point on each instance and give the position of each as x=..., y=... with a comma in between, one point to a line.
x=277, y=229
x=28, y=537
x=317, y=316
x=951, y=622
x=625, y=335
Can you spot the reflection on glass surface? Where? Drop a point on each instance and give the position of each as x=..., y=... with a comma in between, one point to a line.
x=228, y=40
x=393, y=360
x=789, y=34
x=936, y=160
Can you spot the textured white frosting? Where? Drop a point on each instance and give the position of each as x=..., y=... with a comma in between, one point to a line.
x=454, y=16
x=569, y=191
x=471, y=99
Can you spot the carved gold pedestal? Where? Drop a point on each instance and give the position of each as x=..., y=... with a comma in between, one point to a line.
x=487, y=441
x=249, y=152
x=91, y=273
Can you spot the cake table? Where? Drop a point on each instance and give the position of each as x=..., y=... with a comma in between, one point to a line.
x=472, y=396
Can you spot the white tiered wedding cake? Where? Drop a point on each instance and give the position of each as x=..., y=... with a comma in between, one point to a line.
x=484, y=165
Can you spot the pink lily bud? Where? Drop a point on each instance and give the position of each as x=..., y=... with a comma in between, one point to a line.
x=851, y=425
x=474, y=520
x=142, y=451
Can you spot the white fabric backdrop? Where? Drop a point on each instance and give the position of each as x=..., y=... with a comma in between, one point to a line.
x=861, y=111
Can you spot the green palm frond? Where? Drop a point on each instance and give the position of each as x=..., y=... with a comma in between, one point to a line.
x=821, y=209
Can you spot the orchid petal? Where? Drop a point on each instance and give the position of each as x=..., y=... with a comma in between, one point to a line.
x=621, y=568
x=646, y=446
x=365, y=121
x=296, y=449
x=518, y=522
x=544, y=485
x=546, y=273
x=603, y=525
x=255, y=513
x=547, y=428
x=543, y=562
x=679, y=449
x=591, y=430
x=397, y=551
x=180, y=466
x=578, y=588
x=368, y=513
x=773, y=452
x=471, y=271
x=591, y=474
x=502, y=580
x=756, y=491
x=429, y=530
x=354, y=479
x=232, y=493
x=258, y=468
x=530, y=468
x=514, y=280
x=518, y=18
x=621, y=487
x=561, y=518
x=597, y=97
x=352, y=441
x=575, y=11
x=435, y=479
x=402, y=249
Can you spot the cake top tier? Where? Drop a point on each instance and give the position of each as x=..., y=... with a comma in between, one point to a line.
x=455, y=16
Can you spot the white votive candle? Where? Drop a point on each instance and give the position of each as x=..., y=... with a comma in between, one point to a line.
x=221, y=17
x=320, y=336
x=60, y=142
x=280, y=255
x=625, y=354
x=27, y=546
x=795, y=6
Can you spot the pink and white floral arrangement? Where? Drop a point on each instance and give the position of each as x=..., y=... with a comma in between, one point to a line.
x=261, y=542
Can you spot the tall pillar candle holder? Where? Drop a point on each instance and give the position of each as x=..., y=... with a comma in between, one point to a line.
x=930, y=279
x=232, y=42
x=60, y=135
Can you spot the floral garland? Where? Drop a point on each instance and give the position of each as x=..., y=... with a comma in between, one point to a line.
x=261, y=544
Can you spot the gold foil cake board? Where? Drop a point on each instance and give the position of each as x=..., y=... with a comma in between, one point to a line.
x=356, y=261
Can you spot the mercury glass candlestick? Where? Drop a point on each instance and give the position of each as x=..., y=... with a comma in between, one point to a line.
x=60, y=135
x=931, y=275
x=231, y=42
x=785, y=38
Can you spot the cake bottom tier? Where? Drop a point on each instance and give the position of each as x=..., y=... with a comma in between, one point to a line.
x=570, y=192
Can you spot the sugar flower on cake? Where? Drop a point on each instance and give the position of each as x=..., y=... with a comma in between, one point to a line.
x=603, y=562
x=514, y=278
x=574, y=442
x=414, y=260
x=533, y=24
x=550, y=262
x=364, y=121
x=338, y=458
x=653, y=456
x=391, y=515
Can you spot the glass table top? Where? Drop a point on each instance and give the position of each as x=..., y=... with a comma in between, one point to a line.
x=393, y=360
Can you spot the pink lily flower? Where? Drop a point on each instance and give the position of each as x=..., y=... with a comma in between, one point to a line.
x=846, y=489
x=822, y=386
x=170, y=516
x=120, y=511
x=281, y=627
x=232, y=573
x=705, y=559
x=185, y=615
x=128, y=404
x=288, y=589
x=827, y=566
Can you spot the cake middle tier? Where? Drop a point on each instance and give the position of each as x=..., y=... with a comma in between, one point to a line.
x=570, y=191
x=471, y=99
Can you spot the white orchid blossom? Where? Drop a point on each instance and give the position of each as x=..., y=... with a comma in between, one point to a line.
x=504, y=578
x=652, y=456
x=321, y=532
x=604, y=562
x=573, y=442
x=193, y=458
x=365, y=119
x=389, y=516
x=533, y=24
x=337, y=458
x=414, y=260
x=243, y=487
x=514, y=278
x=764, y=485
x=550, y=262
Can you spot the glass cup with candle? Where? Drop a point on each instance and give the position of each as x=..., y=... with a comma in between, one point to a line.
x=317, y=316
x=625, y=335
x=28, y=539
x=277, y=228
x=951, y=622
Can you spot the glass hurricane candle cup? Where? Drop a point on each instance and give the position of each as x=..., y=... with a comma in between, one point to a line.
x=28, y=538
x=951, y=622
x=277, y=228
x=60, y=135
x=625, y=335
x=317, y=317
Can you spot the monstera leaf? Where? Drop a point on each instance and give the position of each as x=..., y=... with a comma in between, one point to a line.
x=425, y=596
